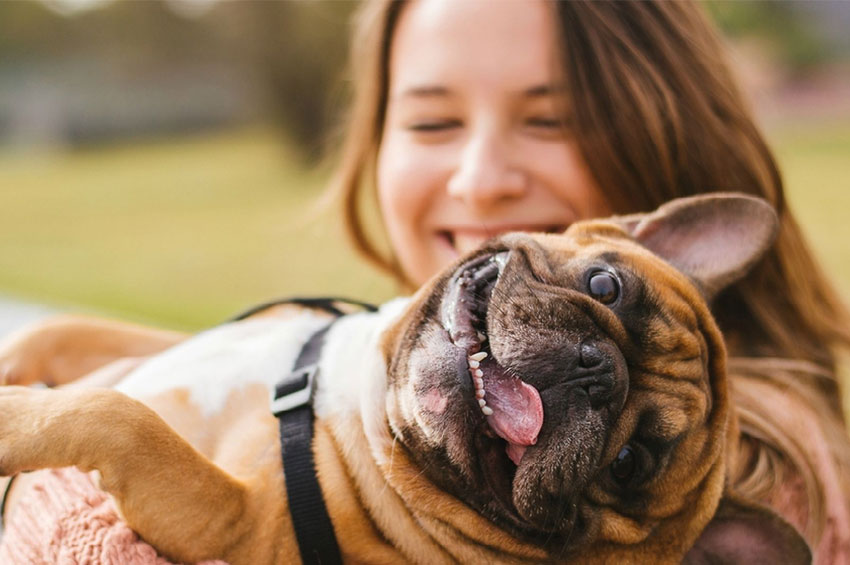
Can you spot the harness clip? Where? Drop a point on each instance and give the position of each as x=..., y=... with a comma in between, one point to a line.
x=296, y=390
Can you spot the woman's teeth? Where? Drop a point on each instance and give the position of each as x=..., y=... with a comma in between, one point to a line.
x=464, y=242
x=474, y=362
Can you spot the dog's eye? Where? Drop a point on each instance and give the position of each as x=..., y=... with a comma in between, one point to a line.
x=603, y=287
x=624, y=465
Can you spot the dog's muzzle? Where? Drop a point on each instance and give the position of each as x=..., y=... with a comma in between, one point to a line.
x=512, y=407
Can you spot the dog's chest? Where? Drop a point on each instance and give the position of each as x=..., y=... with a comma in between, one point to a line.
x=217, y=362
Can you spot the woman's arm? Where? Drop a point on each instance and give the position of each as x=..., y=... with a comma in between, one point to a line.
x=63, y=348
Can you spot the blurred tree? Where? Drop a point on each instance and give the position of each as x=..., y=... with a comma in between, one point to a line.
x=791, y=30
x=28, y=28
x=297, y=50
x=290, y=53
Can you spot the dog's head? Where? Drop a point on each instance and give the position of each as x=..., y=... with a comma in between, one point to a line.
x=571, y=388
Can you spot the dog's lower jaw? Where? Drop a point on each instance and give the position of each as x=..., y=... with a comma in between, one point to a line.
x=372, y=473
x=411, y=519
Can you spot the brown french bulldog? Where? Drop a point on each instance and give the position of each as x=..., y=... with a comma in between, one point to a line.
x=549, y=398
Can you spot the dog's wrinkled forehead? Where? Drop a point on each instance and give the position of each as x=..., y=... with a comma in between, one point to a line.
x=662, y=312
x=663, y=323
x=599, y=259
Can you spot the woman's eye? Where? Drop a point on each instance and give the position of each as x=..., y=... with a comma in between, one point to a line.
x=434, y=126
x=603, y=287
x=545, y=123
x=546, y=127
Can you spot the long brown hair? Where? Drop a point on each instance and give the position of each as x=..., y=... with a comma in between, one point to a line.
x=656, y=115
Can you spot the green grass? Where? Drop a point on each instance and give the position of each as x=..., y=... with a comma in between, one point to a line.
x=178, y=233
x=815, y=162
x=185, y=233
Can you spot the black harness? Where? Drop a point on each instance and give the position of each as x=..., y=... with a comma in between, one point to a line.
x=3, y=501
x=292, y=405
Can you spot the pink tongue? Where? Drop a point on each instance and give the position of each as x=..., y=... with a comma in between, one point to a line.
x=517, y=412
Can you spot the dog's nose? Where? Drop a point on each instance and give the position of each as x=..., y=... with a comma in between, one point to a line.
x=601, y=384
x=590, y=356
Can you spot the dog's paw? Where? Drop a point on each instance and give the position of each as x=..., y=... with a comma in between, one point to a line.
x=16, y=427
x=36, y=428
x=50, y=428
x=12, y=372
x=23, y=356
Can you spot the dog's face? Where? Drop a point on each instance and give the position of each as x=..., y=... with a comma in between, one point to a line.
x=571, y=388
x=595, y=388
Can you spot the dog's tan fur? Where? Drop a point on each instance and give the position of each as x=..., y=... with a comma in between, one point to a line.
x=385, y=505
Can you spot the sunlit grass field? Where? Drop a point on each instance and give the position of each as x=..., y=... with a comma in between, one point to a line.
x=185, y=233
x=815, y=162
x=178, y=233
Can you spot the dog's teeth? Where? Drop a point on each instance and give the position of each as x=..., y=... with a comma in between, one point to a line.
x=473, y=364
x=480, y=356
x=479, y=393
x=482, y=403
x=478, y=373
x=479, y=383
x=487, y=410
x=482, y=337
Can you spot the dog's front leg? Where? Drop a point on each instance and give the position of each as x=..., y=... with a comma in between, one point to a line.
x=63, y=348
x=176, y=499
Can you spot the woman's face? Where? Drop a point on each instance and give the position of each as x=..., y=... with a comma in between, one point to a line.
x=473, y=144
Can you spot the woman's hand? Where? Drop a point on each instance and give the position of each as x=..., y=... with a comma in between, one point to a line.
x=63, y=348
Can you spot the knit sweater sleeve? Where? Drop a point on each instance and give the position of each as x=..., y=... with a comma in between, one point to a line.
x=64, y=518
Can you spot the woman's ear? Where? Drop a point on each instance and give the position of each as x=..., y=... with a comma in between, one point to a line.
x=743, y=532
x=713, y=238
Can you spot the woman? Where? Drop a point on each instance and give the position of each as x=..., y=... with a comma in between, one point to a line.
x=474, y=118
x=530, y=116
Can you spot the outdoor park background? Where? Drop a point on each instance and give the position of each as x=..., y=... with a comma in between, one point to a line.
x=161, y=161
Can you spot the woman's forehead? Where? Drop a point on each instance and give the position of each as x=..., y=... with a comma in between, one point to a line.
x=439, y=46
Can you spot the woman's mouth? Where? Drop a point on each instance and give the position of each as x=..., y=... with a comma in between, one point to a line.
x=464, y=240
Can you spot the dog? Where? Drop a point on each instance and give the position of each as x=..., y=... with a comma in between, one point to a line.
x=547, y=398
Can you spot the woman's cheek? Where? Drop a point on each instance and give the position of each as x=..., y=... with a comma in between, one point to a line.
x=410, y=185
x=408, y=181
x=399, y=192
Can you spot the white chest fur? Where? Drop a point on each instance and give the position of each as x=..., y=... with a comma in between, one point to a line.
x=218, y=361
x=213, y=363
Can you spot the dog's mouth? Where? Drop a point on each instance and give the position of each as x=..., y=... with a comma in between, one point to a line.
x=511, y=412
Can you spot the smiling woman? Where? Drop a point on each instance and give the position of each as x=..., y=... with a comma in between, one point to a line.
x=475, y=145
x=475, y=118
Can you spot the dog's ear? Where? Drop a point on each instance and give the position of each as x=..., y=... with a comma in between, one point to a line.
x=742, y=532
x=713, y=238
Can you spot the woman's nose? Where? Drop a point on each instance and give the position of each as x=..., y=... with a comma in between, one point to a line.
x=486, y=174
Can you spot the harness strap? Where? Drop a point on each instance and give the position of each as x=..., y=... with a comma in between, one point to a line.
x=3, y=499
x=326, y=303
x=292, y=405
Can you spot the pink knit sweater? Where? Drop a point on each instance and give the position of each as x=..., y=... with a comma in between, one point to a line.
x=66, y=520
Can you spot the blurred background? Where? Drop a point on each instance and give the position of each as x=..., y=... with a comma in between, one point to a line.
x=162, y=161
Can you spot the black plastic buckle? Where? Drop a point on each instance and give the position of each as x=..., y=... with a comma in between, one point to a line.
x=296, y=390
